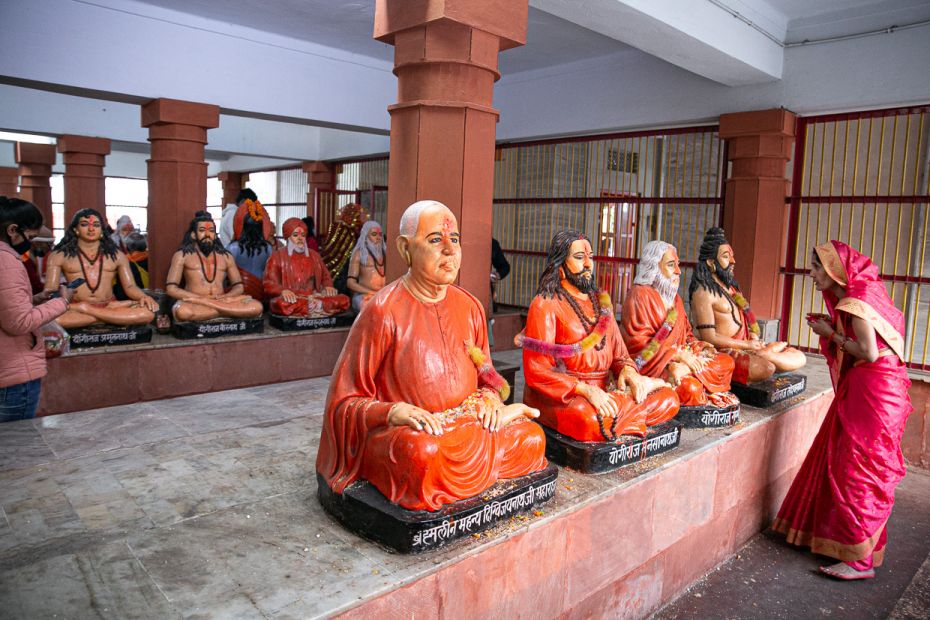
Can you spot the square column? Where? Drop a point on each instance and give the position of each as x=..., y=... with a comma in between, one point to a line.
x=35, y=167
x=177, y=174
x=9, y=182
x=85, y=187
x=233, y=182
x=756, y=211
x=320, y=176
x=443, y=127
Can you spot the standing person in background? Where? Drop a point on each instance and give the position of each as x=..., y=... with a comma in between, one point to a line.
x=841, y=499
x=22, y=347
x=312, y=242
x=228, y=217
x=500, y=268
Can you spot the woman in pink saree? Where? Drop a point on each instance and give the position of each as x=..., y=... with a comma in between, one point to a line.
x=841, y=499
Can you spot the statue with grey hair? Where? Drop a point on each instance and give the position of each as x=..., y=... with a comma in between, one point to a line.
x=658, y=334
x=415, y=408
x=724, y=318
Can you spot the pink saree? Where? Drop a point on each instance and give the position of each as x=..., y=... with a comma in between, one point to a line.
x=841, y=499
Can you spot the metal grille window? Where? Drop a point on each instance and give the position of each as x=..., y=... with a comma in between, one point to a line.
x=368, y=180
x=863, y=178
x=283, y=193
x=621, y=190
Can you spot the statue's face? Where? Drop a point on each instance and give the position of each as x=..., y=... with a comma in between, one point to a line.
x=580, y=260
x=725, y=256
x=435, y=250
x=205, y=231
x=127, y=228
x=375, y=236
x=669, y=266
x=299, y=238
x=89, y=228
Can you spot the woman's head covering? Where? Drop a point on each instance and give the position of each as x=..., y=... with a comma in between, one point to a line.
x=256, y=212
x=866, y=296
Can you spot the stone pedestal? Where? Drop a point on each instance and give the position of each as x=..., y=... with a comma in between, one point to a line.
x=85, y=187
x=596, y=457
x=320, y=176
x=443, y=126
x=35, y=167
x=233, y=182
x=9, y=182
x=755, y=211
x=177, y=174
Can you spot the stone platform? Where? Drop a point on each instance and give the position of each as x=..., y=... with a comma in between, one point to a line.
x=205, y=506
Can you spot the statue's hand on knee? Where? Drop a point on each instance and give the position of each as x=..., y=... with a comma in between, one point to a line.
x=405, y=414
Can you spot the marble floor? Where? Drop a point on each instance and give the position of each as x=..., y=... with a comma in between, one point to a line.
x=205, y=507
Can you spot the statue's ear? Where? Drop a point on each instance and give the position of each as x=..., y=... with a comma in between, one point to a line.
x=403, y=245
x=711, y=264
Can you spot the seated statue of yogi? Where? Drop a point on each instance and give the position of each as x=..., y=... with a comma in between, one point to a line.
x=413, y=405
x=658, y=334
x=204, y=265
x=88, y=251
x=366, y=266
x=724, y=319
x=578, y=372
x=297, y=281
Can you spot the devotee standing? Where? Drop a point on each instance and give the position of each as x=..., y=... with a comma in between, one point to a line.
x=296, y=280
x=22, y=354
x=658, y=334
x=251, y=250
x=572, y=347
x=418, y=350
x=840, y=501
x=366, y=266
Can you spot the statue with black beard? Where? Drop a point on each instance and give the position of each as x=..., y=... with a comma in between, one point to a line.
x=724, y=317
x=577, y=368
x=204, y=267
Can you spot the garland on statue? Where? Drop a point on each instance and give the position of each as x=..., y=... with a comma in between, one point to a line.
x=486, y=373
x=560, y=351
x=255, y=209
x=743, y=304
x=652, y=348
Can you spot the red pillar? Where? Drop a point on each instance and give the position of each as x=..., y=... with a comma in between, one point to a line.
x=443, y=126
x=9, y=182
x=85, y=187
x=319, y=177
x=177, y=174
x=756, y=211
x=35, y=167
x=233, y=182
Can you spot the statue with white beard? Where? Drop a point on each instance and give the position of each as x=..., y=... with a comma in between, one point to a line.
x=366, y=266
x=725, y=320
x=658, y=334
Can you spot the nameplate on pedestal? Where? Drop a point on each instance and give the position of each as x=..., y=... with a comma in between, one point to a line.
x=365, y=511
x=218, y=327
x=708, y=416
x=302, y=323
x=595, y=457
x=109, y=336
x=771, y=391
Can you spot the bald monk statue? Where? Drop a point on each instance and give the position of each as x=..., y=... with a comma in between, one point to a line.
x=573, y=354
x=658, y=334
x=413, y=405
x=296, y=280
x=724, y=319
x=88, y=251
x=204, y=265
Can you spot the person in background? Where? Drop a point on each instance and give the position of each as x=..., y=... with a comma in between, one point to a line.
x=228, y=217
x=500, y=268
x=22, y=347
x=312, y=242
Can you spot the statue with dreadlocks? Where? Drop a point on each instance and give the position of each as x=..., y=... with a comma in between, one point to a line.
x=204, y=266
x=725, y=320
x=658, y=334
x=578, y=371
x=88, y=252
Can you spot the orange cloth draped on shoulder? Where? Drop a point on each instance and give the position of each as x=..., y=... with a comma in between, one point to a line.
x=553, y=391
x=253, y=285
x=641, y=319
x=403, y=350
x=304, y=275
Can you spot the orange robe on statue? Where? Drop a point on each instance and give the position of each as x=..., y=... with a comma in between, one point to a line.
x=552, y=391
x=304, y=275
x=403, y=350
x=642, y=318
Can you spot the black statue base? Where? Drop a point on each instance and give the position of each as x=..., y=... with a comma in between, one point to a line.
x=366, y=512
x=708, y=416
x=301, y=323
x=771, y=391
x=109, y=336
x=186, y=330
x=596, y=457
